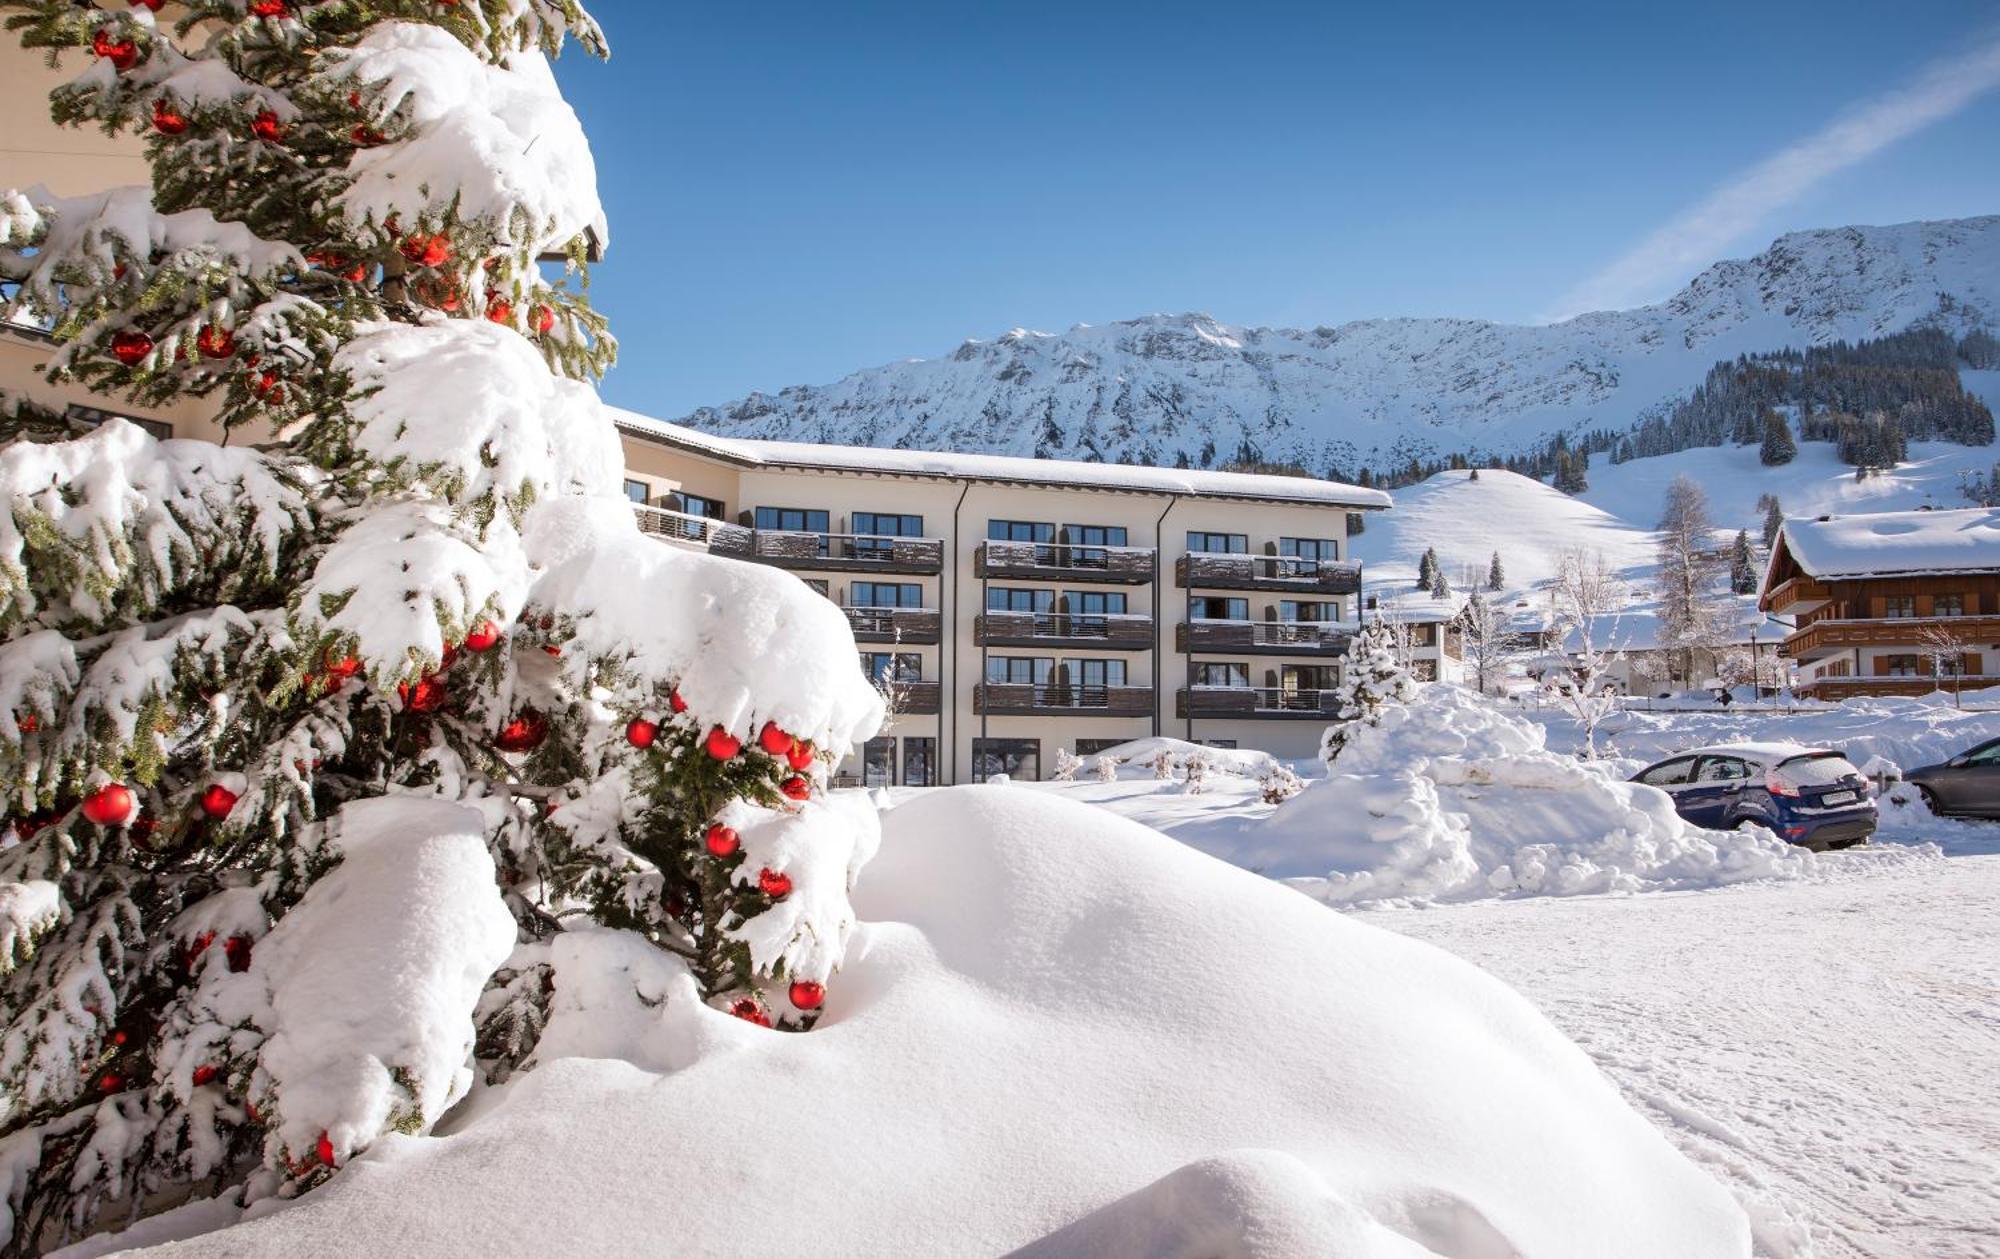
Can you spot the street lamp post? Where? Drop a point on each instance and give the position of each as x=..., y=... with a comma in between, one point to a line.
x=1756, y=667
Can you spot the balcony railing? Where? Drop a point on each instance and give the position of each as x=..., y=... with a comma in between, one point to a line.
x=1912, y=632
x=1274, y=638
x=921, y=699
x=783, y=548
x=917, y=626
x=1799, y=594
x=1893, y=684
x=1216, y=570
x=1019, y=699
x=1063, y=561
x=1257, y=702
x=1119, y=631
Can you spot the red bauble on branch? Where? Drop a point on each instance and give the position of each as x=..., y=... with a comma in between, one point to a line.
x=206, y=1073
x=675, y=701
x=774, y=883
x=800, y=757
x=426, y=251
x=640, y=733
x=796, y=788
x=343, y=668
x=113, y=804
x=267, y=8
x=215, y=342
x=774, y=740
x=747, y=1009
x=154, y=5
x=236, y=952
x=723, y=745
x=123, y=54
x=217, y=801
x=482, y=637
x=130, y=346
x=167, y=120
x=427, y=696
x=722, y=841
x=523, y=734
x=500, y=311
x=808, y=995
x=545, y=318
x=267, y=128
x=325, y=1149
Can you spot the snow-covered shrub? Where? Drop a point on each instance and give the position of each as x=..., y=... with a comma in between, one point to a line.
x=1194, y=772
x=300, y=739
x=1372, y=679
x=1067, y=763
x=1104, y=769
x=1162, y=765
x=1279, y=783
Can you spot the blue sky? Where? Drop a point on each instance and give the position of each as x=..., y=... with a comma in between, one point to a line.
x=800, y=190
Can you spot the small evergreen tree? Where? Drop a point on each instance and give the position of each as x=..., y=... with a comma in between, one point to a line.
x=1440, y=584
x=1778, y=448
x=1372, y=678
x=1774, y=518
x=1742, y=565
x=1496, y=574
x=1427, y=569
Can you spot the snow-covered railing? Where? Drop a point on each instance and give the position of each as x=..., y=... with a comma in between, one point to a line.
x=1125, y=565
x=1232, y=570
x=1124, y=630
x=917, y=626
x=1308, y=637
x=1256, y=701
x=786, y=548
x=1889, y=631
x=1073, y=699
x=683, y=527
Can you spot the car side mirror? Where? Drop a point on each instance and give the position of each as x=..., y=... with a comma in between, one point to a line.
x=1957, y=762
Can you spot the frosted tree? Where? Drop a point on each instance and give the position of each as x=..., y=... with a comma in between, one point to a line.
x=1484, y=632
x=1774, y=518
x=1067, y=763
x=1743, y=575
x=311, y=743
x=1427, y=568
x=1371, y=679
x=1440, y=584
x=1584, y=602
x=1496, y=574
x=1691, y=616
x=1778, y=447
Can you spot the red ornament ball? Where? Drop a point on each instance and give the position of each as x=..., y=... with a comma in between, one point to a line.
x=483, y=637
x=325, y=1149
x=747, y=1009
x=523, y=734
x=774, y=740
x=110, y=805
x=796, y=788
x=675, y=701
x=640, y=733
x=214, y=342
x=545, y=318
x=130, y=346
x=808, y=995
x=236, y=951
x=427, y=696
x=154, y=5
x=167, y=120
x=800, y=757
x=365, y=136
x=426, y=251
x=267, y=128
x=774, y=884
x=500, y=311
x=722, y=841
x=110, y=1082
x=123, y=54
x=267, y=8
x=723, y=745
x=345, y=667
x=206, y=1073
x=217, y=801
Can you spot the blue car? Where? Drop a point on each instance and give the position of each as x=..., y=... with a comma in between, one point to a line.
x=1809, y=796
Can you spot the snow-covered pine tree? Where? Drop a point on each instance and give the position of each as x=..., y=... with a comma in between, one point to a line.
x=1440, y=584
x=1743, y=577
x=1371, y=679
x=1774, y=517
x=1427, y=568
x=309, y=743
x=1496, y=574
x=1778, y=447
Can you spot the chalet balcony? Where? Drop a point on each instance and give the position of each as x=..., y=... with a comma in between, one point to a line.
x=919, y=627
x=1824, y=637
x=1268, y=638
x=1054, y=561
x=1833, y=690
x=1256, y=702
x=815, y=552
x=1058, y=699
x=1287, y=574
x=918, y=699
x=1122, y=631
x=1798, y=595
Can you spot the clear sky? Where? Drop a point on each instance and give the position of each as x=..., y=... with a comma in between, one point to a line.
x=798, y=190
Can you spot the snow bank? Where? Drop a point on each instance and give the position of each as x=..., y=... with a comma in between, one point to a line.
x=1450, y=798
x=1135, y=759
x=1056, y=1028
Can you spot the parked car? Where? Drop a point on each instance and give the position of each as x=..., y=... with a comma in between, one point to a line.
x=1809, y=796
x=1968, y=784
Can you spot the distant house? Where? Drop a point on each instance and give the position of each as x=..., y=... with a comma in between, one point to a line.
x=1893, y=603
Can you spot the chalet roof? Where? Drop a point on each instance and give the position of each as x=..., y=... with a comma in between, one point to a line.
x=1893, y=543
x=1196, y=482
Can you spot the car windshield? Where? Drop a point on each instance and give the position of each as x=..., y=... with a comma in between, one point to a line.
x=1822, y=770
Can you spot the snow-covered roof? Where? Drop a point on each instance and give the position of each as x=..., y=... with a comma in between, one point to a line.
x=1896, y=542
x=968, y=467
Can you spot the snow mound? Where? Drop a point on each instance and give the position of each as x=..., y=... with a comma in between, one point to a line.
x=1135, y=759
x=1056, y=1027
x=1449, y=798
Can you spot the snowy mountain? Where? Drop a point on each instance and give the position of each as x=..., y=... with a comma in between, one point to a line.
x=1163, y=387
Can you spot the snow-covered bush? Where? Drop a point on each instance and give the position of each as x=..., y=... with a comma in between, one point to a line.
x=1162, y=765
x=1067, y=763
x=1452, y=797
x=1372, y=679
x=1279, y=784
x=300, y=739
x=1104, y=769
x=1194, y=772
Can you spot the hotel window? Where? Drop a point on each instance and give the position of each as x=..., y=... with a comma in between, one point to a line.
x=792, y=519
x=892, y=666
x=1087, y=543
x=878, y=763
x=93, y=416
x=1951, y=666
x=1096, y=675
x=1217, y=608
x=637, y=491
x=1948, y=605
x=1020, y=531
x=1229, y=675
x=878, y=530
x=1218, y=543
x=1019, y=599
x=1899, y=605
x=1091, y=747
x=1900, y=666
x=885, y=594
x=920, y=762
x=1309, y=610
x=1016, y=758
x=1310, y=548
x=693, y=504
x=1096, y=602
x=1020, y=670
x=818, y=584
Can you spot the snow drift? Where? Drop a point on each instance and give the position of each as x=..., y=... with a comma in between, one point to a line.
x=1450, y=798
x=1055, y=1030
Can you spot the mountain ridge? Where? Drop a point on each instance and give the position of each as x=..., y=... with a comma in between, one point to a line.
x=1376, y=392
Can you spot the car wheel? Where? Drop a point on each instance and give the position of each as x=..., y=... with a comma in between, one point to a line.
x=1930, y=800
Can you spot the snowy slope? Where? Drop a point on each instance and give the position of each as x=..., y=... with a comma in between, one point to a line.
x=1151, y=389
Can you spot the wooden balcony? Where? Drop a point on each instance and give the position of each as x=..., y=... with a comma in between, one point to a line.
x=815, y=552
x=1055, y=699
x=1052, y=561
x=1267, y=638
x=918, y=699
x=1255, y=703
x=1123, y=631
x=1825, y=637
x=1797, y=595
x=918, y=627
x=1215, y=570
x=1836, y=689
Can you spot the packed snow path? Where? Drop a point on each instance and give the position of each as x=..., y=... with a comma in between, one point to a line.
x=1825, y=1048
